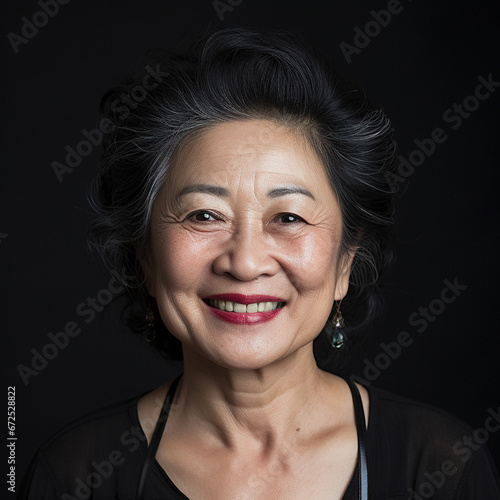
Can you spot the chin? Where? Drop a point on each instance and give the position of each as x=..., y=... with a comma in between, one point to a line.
x=249, y=357
x=242, y=361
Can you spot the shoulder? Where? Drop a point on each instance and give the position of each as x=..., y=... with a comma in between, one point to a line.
x=427, y=449
x=91, y=450
x=401, y=414
x=92, y=432
x=416, y=427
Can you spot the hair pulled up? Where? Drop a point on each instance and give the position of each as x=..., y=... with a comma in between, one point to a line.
x=237, y=74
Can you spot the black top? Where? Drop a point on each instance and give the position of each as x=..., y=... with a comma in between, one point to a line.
x=413, y=451
x=361, y=465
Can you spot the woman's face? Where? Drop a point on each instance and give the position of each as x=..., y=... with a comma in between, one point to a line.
x=245, y=237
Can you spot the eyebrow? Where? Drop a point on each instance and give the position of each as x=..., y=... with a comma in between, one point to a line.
x=205, y=188
x=224, y=193
x=286, y=190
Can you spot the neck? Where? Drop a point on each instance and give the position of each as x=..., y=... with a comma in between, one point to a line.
x=255, y=408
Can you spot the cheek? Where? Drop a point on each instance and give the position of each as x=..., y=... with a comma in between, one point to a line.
x=184, y=259
x=311, y=261
x=180, y=258
x=310, y=266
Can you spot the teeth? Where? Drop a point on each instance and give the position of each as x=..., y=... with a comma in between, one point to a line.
x=252, y=308
x=227, y=305
x=240, y=308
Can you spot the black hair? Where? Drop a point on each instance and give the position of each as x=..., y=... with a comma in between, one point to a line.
x=236, y=74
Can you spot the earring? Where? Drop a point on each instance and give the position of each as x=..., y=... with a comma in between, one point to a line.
x=337, y=339
x=150, y=331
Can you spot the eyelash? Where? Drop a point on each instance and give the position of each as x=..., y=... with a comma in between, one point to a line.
x=216, y=217
x=298, y=219
x=198, y=212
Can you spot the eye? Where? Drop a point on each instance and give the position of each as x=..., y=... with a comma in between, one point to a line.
x=289, y=219
x=202, y=216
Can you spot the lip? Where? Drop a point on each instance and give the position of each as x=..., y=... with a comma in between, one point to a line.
x=245, y=299
x=244, y=318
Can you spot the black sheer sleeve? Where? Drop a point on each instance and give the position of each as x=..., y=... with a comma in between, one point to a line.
x=39, y=483
x=414, y=451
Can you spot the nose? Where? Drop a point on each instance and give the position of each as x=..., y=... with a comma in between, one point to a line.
x=247, y=254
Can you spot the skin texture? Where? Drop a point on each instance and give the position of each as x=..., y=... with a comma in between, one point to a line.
x=253, y=417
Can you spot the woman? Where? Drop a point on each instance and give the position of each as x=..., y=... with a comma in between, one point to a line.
x=245, y=199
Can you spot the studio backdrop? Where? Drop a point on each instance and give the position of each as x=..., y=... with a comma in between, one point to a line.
x=432, y=65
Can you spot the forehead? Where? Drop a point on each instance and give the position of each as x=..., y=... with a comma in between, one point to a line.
x=257, y=150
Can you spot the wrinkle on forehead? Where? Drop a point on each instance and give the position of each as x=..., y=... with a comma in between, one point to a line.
x=237, y=147
x=259, y=132
x=250, y=157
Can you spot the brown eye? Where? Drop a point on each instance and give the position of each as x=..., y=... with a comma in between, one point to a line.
x=290, y=219
x=202, y=216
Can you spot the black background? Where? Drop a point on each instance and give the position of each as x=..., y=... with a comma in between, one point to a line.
x=425, y=60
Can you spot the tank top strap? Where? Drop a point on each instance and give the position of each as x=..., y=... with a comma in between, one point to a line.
x=155, y=440
x=162, y=420
x=361, y=431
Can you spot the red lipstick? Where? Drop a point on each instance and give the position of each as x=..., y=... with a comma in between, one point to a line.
x=245, y=299
x=244, y=318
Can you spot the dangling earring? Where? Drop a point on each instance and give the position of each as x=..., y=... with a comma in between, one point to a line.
x=337, y=339
x=150, y=331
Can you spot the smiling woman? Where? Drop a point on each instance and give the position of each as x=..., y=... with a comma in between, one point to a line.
x=246, y=206
x=250, y=230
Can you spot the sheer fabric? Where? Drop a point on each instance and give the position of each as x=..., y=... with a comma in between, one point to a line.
x=414, y=451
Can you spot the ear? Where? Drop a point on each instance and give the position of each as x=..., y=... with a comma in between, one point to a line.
x=344, y=271
x=146, y=260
